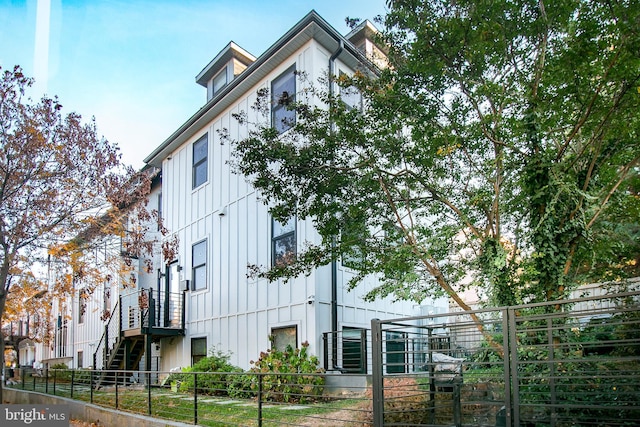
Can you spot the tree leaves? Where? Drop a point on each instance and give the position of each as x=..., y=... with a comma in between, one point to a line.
x=500, y=142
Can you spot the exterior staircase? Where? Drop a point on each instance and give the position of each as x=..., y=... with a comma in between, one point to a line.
x=137, y=320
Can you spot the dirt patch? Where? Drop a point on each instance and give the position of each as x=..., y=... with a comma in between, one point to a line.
x=78, y=423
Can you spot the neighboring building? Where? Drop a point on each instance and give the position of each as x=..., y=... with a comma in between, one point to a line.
x=79, y=319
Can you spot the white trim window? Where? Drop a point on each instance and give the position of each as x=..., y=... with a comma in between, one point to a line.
x=350, y=95
x=284, y=336
x=283, y=242
x=83, y=295
x=283, y=95
x=200, y=161
x=199, y=265
x=198, y=349
x=219, y=81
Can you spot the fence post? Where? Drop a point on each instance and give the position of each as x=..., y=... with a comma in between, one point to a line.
x=91, y=386
x=432, y=377
x=73, y=374
x=513, y=351
x=457, y=407
x=377, y=382
x=149, y=391
x=506, y=367
x=195, y=398
x=260, y=399
x=55, y=372
x=46, y=380
x=325, y=350
x=116, y=381
x=552, y=371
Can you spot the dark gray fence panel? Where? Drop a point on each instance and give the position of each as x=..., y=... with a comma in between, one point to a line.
x=565, y=363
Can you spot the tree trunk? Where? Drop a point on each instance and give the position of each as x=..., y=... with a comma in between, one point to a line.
x=3, y=300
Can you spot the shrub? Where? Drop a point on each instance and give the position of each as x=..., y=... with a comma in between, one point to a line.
x=291, y=375
x=60, y=371
x=217, y=378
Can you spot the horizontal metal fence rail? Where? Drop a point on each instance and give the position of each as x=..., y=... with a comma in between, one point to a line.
x=221, y=398
x=577, y=362
x=559, y=364
x=567, y=363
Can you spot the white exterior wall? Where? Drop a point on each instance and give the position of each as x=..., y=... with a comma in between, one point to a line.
x=84, y=336
x=234, y=313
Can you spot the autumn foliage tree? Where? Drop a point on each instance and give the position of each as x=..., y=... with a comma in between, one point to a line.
x=62, y=190
x=500, y=149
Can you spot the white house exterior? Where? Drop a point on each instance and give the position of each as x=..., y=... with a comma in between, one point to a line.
x=204, y=299
x=223, y=226
x=78, y=319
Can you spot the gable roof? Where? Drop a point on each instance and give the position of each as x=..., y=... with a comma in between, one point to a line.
x=312, y=26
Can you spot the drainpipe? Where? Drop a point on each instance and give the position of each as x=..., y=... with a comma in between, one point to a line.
x=334, y=265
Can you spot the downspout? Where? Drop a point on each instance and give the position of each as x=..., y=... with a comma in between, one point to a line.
x=334, y=264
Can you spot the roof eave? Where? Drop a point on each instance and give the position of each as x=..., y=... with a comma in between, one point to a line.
x=311, y=26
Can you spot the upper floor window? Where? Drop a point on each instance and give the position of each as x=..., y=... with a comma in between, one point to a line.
x=200, y=153
x=283, y=95
x=83, y=295
x=353, y=257
x=283, y=242
x=199, y=265
x=351, y=96
x=219, y=81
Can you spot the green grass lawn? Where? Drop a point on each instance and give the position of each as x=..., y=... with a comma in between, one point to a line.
x=214, y=410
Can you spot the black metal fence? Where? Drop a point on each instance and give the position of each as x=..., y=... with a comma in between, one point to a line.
x=213, y=399
x=569, y=363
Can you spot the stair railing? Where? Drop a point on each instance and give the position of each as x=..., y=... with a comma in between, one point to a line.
x=109, y=338
x=147, y=314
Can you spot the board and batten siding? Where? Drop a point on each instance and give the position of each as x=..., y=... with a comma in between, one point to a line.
x=236, y=313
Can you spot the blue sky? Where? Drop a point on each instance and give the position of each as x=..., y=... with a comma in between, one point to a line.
x=132, y=64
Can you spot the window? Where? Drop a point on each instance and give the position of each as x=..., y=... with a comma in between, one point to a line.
x=199, y=263
x=80, y=361
x=354, y=350
x=200, y=152
x=219, y=81
x=106, y=299
x=350, y=96
x=283, y=95
x=198, y=349
x=353, y=238
x=281, y=338
x=82, y=304
x=283, y=242
x=396, y=348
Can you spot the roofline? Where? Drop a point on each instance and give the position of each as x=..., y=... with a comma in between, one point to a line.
x=187, y=130
x=231, y=50
x=366, y=26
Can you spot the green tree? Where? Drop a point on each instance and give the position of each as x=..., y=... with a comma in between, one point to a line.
x=499, y=149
